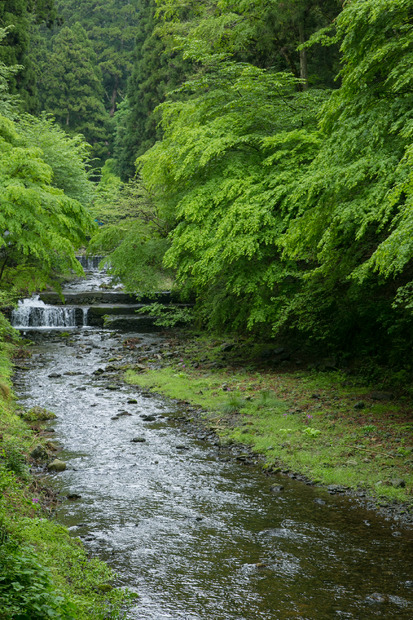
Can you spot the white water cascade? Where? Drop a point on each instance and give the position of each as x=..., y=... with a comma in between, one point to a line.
x=35, y=313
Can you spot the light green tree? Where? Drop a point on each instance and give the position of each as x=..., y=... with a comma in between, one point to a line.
x=353, y=209
x=40, y=227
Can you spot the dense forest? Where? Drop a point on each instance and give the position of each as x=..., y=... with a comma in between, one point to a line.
x=257, y=155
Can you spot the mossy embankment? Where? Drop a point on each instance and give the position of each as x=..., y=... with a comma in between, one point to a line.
x=44, y=572
x=322, y=424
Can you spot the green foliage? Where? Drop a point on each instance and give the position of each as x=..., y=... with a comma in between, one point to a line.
x=158, y=67
x=283, y=223
x=135, y=237
x=168, y=316
x=12, y=458
x=26, y=588
x=353, y=207
x=266, y=33
x=40, y=226
x=68, y=156
x=226, y=165
x=72, y=91
x=20, y=18
x=8, y=102
x=112, y=26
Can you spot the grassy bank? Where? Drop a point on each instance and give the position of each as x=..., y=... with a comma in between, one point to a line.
x=322, y=424
x=44, y=573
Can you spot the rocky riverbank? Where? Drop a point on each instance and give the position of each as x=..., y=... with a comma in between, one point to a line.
x=319, y=426
x=44, y=571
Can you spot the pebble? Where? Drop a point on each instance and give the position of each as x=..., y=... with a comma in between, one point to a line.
x=276, y=488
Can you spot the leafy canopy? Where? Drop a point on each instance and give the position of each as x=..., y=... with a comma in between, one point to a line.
x=40, y=226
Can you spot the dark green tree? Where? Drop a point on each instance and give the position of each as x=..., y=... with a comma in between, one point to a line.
x=21, y=17
x=72, y=91
x=111, y=26
x=157, y=69
x=266, y=33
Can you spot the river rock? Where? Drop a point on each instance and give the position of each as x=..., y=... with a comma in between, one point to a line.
x=376, y=597
x=39, y=453
x=138, y=440
x=54, y=375
x=132, y=401
x=398, y=483
x=335, y=488
x=276, y=488
x=57, y=465
x=112, y=387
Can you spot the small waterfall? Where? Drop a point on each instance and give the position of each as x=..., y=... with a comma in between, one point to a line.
x=90, y=263
x=35, y=313
x=85, y=313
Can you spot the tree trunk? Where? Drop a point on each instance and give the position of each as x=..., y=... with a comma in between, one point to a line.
x=303, y=57
x=114, y=97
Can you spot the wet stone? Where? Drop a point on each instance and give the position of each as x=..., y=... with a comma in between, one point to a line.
x=376, y=597
x=132, y=401
x=73, y=496
x=276, y=488
x=335, y=488
x=138, y=440
x=54, y=375
x=398, y=483
x=57, y=465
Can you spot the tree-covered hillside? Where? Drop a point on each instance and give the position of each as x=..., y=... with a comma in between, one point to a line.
x=264, y=150
x=283, y=168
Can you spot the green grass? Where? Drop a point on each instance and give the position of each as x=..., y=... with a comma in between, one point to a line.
x=301, y=420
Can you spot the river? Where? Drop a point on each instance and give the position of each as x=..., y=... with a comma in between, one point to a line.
x=198, y=535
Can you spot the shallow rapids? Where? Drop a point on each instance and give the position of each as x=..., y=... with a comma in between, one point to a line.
x=197, y=535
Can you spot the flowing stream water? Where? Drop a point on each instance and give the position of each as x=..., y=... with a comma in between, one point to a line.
x=196, y=534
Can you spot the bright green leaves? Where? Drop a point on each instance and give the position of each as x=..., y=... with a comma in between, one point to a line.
x=356, y=198
x=226, y=164
x=40, y=226
x=134, y=235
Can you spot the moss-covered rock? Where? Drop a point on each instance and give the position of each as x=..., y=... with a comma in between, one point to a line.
x=37, y=414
